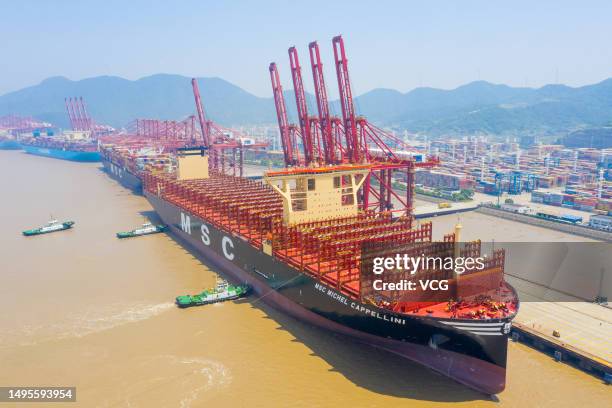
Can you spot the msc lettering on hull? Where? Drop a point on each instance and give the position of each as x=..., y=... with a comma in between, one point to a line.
x=186, y=223
x=226, y=243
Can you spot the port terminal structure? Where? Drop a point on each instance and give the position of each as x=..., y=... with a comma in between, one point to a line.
x=563, y=351
x=571, y=341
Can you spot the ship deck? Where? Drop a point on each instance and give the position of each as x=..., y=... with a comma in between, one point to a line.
x=328, y=250
x=492, y=304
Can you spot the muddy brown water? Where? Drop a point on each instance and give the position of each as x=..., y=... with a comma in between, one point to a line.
x=82, y=308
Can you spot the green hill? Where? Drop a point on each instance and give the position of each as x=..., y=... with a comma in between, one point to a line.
x=488, y=108
x=117, y=101
x=476, y=107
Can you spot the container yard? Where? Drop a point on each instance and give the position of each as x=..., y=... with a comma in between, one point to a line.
x=577, y=178
x=442, y=180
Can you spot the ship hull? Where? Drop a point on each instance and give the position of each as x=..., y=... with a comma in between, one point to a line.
x=9, y=145
x=126, y=178
x=474, y=359
x=71, y=155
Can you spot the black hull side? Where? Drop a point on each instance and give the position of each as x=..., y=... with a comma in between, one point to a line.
x=469, y=352
x=126, y=178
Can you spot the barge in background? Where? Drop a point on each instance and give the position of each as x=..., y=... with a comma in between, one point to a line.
x=9, y=143
x=286, y=243
x=68, y=153
x=73, y=145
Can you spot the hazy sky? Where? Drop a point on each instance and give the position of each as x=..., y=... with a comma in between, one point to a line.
x=391, y=44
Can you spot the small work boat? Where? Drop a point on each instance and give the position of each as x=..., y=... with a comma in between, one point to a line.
x=146, y=229
x=223, y=291
x=51, y=226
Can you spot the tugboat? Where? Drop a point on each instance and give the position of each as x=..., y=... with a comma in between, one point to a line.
x=221, y=292
x=52, y=226
x=146, y=229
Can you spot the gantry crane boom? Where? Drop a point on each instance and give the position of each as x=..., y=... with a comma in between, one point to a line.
x=302, y=109
x=201, y=117
x=281, y=113
x=329, y=147
x=70, y=114
x=86, y=120
x=346, y=101
x=77, y=118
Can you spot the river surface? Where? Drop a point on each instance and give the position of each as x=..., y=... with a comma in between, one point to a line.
x=82, y=308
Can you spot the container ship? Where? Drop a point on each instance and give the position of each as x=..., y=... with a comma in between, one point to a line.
x=73, y=145
x=148, y=145
x=79, y=144
x=301, y=241
x=151, y=145
x=9, y=143
x=126, y=160
x=305, y=237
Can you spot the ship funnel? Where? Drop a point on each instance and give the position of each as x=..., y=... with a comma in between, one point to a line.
x=192, y=163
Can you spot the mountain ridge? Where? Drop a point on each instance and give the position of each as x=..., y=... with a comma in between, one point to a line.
x=478, y=106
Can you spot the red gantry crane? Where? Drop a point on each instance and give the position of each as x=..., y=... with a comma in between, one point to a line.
x=366, y=142
x=80, y=120
x=374, y=145
x=165, y=130
x=346, y=102
x=226, y=146
x=71, y=116
x=331, y=149
x=204, y=124
x=350, y=140
x=77, y=114
x=308, y=138
x=287, y=131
